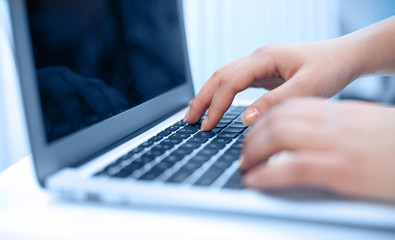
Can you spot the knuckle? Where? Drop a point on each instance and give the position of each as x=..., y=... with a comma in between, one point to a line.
x=267, y=49
x=277, y=133
x=275, y=116
x=261, y=50
x=227, y=83
x=340, y=175
x=299, y=170
x=290, y=104
x=225, y=80
x=217, y=74
x=271, y=100
x=195, y=104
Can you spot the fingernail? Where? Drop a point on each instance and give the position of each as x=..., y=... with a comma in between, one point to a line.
x=204, y=123
x=250, y=116
x=186, y=116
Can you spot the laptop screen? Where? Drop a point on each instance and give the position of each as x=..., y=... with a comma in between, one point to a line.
x=98, y=58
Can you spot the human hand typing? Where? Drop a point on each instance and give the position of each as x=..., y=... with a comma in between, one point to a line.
x=347, y=147
x=311, y=69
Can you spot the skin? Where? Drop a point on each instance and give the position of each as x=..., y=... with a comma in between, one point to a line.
x=331, y=145
x=346, y=147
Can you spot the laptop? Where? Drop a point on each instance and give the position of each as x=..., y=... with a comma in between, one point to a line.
x=105, y=86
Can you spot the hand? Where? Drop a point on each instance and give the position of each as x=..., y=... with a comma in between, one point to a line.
x=310, y=69
x=347, y=147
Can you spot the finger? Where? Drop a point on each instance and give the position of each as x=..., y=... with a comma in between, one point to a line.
x=203, y=99
x=285, y=134
x=241, y=77
x=309, y=109
x=291, y=88
x=301, y=169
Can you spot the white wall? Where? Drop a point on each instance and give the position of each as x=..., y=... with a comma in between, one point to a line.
x=220, y=31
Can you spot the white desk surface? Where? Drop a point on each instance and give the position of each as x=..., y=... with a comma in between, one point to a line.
x=28, y=212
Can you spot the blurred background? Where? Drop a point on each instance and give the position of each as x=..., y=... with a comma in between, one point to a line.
x=219, y=31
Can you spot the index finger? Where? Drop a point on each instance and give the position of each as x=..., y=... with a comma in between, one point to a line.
x=254, y=68
x=203, y=99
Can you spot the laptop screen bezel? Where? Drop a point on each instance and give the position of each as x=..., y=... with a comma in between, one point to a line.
x=80, y=146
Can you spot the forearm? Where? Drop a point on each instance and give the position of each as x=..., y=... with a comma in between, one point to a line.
x=371, y=50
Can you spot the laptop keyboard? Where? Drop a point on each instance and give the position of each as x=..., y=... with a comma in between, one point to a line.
x=182, y=154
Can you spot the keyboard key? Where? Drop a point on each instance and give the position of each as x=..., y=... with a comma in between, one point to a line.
x=229, y=157
x=234, y=129
x=221, y=164
x=225, y=134
x=180, y=135
x=183, y=151
x=209, y=151
x=225, y=121
x=165, y=164
x=193, y=128
x=198, y=140
x=153, y=173
x=215, y=145
x=227, y=118
x=174, y=157
x=119, y=174
x=155, y=139
x=208, y=177
x=239, y=121
x=128, y=170
x=149, y=156
x=192, y=165
x=204, y=135
x=222, y=140
x=187, y=130
x=221, y=125
x=191, y=145
x=167, y=145
x=235, y=181
x=233, y=151
x=179, y=176
x=145, y=144
x=238, y=145
x=174, y=141
x=231, y=115
x=216, y=130
x=136, y=150
x=241, y=125
x=201, y=158
x=179, y=123
x=173, y=128
x=164, y=133
x=156, y=151
x=164, y=146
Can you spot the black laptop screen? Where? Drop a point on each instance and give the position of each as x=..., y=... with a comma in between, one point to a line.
x=98, y=58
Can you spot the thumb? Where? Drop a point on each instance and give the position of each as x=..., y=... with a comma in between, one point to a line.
x=290, y=88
